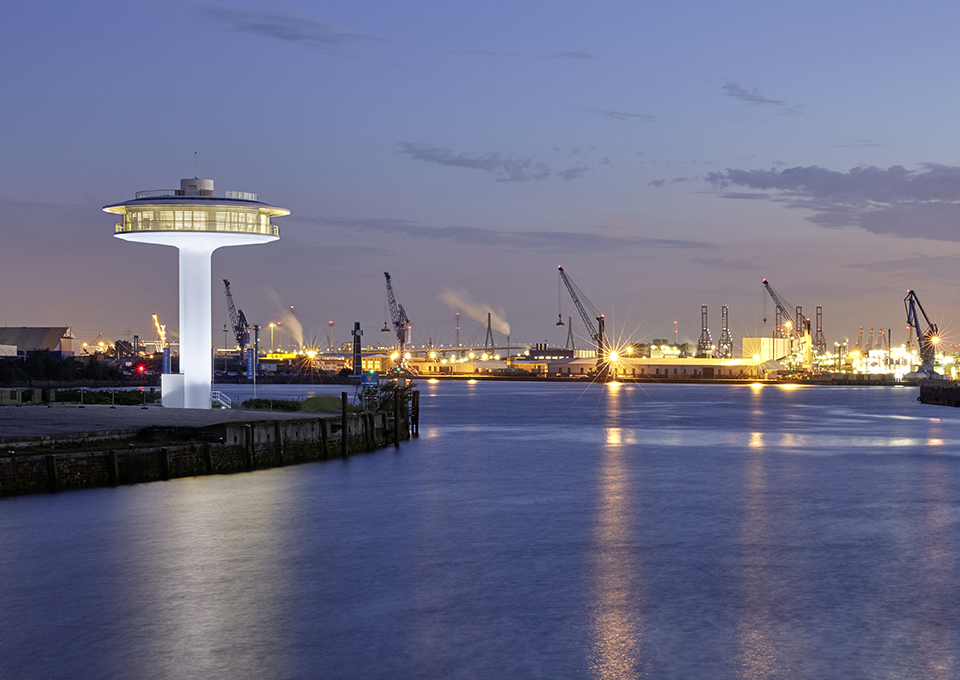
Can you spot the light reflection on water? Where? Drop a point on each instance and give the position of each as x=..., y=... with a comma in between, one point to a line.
x=532, y=530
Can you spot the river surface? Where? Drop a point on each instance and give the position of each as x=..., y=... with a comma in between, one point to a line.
x=533, y=530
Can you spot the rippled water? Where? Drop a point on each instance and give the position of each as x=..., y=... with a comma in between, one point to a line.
x=532, y=531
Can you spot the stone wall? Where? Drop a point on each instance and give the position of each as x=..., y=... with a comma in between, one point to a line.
x=219, y=449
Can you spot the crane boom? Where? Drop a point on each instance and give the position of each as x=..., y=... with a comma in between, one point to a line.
x=782, y=307
x=398, y=316
x=161, y=333
x=582, y=304
x=241, y=330
x=926, y=339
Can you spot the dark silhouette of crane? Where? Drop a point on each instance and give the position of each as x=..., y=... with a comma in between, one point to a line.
x=401, y=322
x=927, y=339
x=582, y=304
x=241, y=329
x=783, y=315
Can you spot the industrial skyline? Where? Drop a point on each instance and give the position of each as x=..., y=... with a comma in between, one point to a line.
x=666, y=156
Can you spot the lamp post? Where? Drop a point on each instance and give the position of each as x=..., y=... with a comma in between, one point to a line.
x=272, y=346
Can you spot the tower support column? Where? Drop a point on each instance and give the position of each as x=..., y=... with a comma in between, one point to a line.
x=196, y=336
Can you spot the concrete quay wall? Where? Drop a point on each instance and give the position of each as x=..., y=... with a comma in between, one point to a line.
x=216, y=449
x=940, y=393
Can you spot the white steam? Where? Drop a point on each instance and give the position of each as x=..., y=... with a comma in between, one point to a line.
x=460, y=301
x=289, y=326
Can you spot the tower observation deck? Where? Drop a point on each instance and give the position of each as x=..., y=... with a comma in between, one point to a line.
x=196, y=220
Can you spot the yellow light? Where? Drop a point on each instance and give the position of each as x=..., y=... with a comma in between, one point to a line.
x=935, y=339
x=407, y=356
x=756, y=357
x=395, y=356
x=484, y=357
x=471, y=355
x=614, y=356
x=630, y=350
x=312, y=354
x=433, y=355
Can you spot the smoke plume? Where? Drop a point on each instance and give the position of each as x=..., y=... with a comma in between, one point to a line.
x=460, y=301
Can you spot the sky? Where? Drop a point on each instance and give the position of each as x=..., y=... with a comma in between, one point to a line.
x=667, y=155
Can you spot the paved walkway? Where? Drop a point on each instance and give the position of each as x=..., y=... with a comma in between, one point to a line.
x=28, y=421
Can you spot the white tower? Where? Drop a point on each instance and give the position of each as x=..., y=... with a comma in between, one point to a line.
x=196, y=221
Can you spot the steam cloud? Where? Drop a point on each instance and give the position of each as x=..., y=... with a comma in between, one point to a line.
x=289, y=324
x=292, y=327
x=460, y=300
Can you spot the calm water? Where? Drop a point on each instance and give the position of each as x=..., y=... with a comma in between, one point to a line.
x=533, y=531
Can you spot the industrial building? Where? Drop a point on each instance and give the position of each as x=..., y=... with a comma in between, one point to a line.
x=26, y=340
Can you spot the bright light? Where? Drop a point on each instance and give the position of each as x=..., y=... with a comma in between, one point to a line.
x=407, y=356
x=471, y=355
x=395, y=356
x=614, y=356
x=935, y=339
x=756, y=357
x=433, y=355
x=311, y=353
x=497, y=357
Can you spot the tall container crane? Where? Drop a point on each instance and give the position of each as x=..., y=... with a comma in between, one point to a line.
x=241, y=329
x=705, y=344
x=927, y=339
x=582, y=304
x=401, y=322
x=725, y=348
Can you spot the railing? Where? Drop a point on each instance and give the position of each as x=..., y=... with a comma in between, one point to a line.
x=169, y=225
x=235, y=195
x=218, y=397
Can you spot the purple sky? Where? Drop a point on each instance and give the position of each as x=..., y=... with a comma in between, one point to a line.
x=668, y=155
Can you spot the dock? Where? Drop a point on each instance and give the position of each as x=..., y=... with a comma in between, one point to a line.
x=61, y=447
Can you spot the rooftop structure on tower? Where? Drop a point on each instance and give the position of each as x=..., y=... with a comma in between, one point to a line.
x=196, y=220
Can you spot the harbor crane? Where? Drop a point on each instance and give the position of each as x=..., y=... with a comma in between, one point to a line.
x=401, y=322
x=241, y=329
x=161, y=343
x=783, y=313
x=586, y=309
x=927, y=339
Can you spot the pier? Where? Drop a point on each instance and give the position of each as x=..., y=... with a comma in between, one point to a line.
x=48, y=449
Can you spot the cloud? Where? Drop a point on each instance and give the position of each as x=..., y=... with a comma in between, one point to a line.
x=460, y=301
x=572, y=55
x=894, y=201
x=623, y=115
x=522, y=55
x=504, y=168
x=518, y=240
x=753, y=96
x=726, y=265
x=310, y=33
x=925, y=267
x=860, y=143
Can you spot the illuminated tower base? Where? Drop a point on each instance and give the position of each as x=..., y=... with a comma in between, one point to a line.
x=195, y=222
